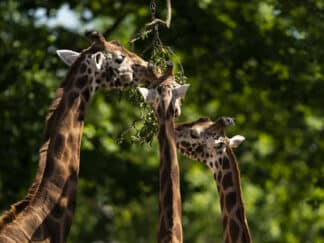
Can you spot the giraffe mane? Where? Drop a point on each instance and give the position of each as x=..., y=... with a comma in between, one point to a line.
x=9, y=215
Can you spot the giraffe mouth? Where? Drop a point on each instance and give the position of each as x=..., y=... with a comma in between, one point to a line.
x=126, y=75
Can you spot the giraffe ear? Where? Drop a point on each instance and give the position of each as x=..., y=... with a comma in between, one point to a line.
x=148, y=94
x=180, y=92
x=236, y=141
x=98, y=59
x=68, y=56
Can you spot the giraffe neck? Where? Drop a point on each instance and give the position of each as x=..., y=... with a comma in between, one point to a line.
x=170, y=226
x=47, y=210
x=227, y=176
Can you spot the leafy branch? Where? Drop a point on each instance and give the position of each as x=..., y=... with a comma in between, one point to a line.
x=143, y=129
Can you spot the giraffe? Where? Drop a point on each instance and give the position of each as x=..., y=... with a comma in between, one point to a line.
x=45, y=214
x=205, y=141
x=165, y=101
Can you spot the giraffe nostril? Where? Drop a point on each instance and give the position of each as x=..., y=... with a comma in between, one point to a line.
x=119, y=59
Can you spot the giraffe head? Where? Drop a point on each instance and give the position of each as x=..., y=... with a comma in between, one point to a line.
x=205, y=139
x=107, y=64
x=166, y=97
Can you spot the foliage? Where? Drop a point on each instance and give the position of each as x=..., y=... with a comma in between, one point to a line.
x=259, y=61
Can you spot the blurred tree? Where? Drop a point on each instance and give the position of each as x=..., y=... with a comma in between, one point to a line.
x=259, y=61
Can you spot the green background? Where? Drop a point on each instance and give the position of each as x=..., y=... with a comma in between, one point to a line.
x=259, y=61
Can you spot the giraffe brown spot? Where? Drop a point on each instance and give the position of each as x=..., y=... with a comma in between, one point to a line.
x=168, y=217
x=66, y=226
x=185, y=144
x=239, y=215
x=234, y=230
x=82, y=106
x=163, y=230
x=219, y=176
x=216, y=165
x=72, y=203
x=210, y=164
x=58, y=145
x=218, y=188
x=52, y=225
x=89, y=71
x=58, y=180
x=70, y=140
x=72, y=97
x=83, y=68
x=226, y=163
x=230, y=201
x=117, y=83
x=49, y=167
x=245, y=237
x=167, y=197
x=219, y=146
x=226, y=239
x=57, y=211
x=81, y=82
x=86, y=95
x=225, y=221
x=222, y=200
x=110, y=73
x=200, y=149
x=214, y=174
x=219, y=152
x=227, y=180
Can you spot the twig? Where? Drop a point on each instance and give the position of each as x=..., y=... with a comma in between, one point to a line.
x=139, y=35
x=167, y=21
x=149, y=27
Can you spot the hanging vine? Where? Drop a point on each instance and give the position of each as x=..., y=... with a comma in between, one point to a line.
x=143, y=129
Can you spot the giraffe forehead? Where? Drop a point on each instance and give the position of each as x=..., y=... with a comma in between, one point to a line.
x=117, y=49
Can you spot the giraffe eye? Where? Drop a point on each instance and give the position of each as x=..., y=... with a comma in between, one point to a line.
x=194, y=134
x=119, y=59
